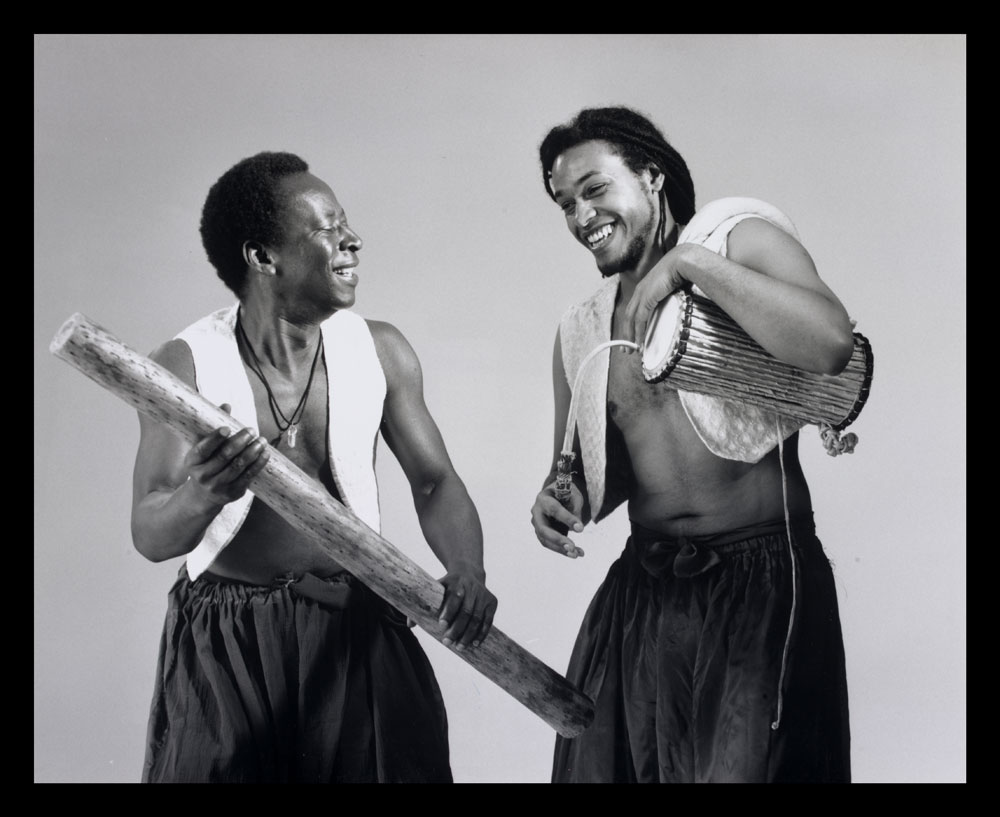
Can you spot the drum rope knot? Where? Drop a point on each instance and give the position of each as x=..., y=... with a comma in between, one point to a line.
x=835, y=444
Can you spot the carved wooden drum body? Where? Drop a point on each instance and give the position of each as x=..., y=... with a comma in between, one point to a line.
x=693, y=345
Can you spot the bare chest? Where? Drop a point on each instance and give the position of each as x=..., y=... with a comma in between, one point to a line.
x=294, y=421
x=631, y=398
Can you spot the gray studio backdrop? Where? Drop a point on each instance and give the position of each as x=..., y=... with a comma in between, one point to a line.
x=430, y=143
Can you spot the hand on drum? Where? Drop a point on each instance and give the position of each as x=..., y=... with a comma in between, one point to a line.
x=656, y=286
x=552, y=520
x=221, y=464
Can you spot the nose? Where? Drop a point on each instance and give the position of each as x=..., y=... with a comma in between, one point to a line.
x=584, y=213
x=351, y=240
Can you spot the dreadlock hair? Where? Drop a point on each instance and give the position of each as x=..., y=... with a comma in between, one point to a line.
x=640, y=144
x=243, y=205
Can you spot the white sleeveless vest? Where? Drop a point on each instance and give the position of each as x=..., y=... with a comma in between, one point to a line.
x=731, y=430
x=356, y=391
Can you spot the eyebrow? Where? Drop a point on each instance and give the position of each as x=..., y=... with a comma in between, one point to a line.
x=578, y=182
x=328, y=216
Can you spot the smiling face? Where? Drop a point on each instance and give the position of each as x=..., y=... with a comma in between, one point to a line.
x=315, y=260
x=609, y=208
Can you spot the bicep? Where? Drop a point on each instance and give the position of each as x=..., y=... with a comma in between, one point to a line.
x=159, y=461
x=769, y=250
x=407, y=425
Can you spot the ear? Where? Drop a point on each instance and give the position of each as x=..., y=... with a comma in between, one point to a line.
x=258, y=258
x=656, y=178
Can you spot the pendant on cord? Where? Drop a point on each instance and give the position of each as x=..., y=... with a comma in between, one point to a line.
x=290, y=423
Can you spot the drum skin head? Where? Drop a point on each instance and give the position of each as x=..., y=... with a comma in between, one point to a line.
x=664, y=341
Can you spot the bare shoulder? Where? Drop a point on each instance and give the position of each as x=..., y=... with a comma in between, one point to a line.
x=762, y=246
x=175, y=356
x=394, y=351
x=756, y=240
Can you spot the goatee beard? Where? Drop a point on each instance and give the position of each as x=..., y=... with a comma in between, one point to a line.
x=628, y=260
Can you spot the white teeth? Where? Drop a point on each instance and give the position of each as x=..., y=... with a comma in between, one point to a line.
x=598, y=235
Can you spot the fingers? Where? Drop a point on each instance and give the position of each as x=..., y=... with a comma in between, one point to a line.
x=207, y=447
x=467, y=612
x=548, y=507
x=245, y=455
x=644, y=300
x=641, y=320
x=223, y=464
x=657, y=286
x=450, y=609
x=258, y=455
x=217, y=451
x=558, y=542
x=552, y=522
x=486, y=624
x=629, y=318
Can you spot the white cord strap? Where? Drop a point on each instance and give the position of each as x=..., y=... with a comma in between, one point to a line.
x=791, y=554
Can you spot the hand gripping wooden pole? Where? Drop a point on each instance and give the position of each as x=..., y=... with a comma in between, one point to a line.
x=308, y=506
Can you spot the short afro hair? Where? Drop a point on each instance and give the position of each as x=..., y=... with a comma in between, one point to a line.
x=243, y=205
x=640, y=144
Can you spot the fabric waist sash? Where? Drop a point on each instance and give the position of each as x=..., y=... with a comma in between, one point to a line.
x=688, y=556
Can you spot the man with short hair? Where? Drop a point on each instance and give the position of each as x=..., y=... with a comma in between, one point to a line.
x=712, y=654
x=276, y=664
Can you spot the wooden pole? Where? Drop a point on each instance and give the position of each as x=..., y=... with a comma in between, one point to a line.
x=308, y=506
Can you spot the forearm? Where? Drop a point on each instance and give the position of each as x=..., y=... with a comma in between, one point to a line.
x=168, y=523
x=450, y=524
x=798, y=325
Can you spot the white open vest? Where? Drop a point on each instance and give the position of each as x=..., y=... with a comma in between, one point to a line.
x=356, y=392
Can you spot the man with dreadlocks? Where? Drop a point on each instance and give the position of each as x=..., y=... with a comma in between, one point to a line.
x=277, y=665
x=711, y=653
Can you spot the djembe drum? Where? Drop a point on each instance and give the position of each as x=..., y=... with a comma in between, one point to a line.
x=693, y=345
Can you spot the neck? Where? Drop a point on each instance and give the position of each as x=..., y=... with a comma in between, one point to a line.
x=629, y=279
x=281, y=343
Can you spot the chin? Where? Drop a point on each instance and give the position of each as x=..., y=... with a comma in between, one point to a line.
x=609, y=268
x=343, y=300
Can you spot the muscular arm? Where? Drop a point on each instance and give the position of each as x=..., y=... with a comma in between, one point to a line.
x=179, y=488
x=769, y=285
x=447, y=515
